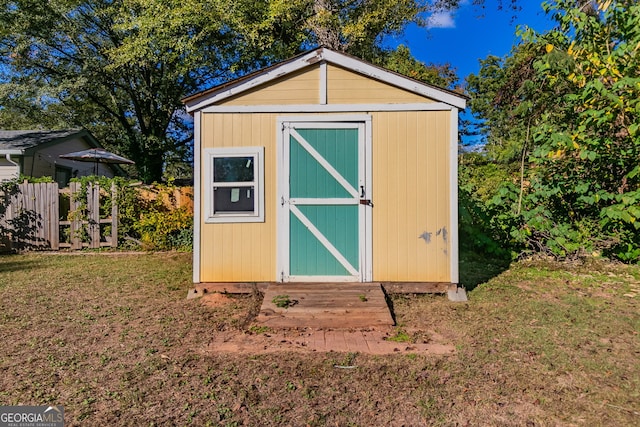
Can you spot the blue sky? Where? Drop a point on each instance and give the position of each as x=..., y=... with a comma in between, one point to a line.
x=471, y=33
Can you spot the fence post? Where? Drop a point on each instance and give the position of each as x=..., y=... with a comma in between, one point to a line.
x=5, y=239
x=93, y=213
x=114, y=216
x=76, y=218
x=53, y=215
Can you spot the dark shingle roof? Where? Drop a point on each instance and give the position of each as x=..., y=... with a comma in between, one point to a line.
x=25, y=139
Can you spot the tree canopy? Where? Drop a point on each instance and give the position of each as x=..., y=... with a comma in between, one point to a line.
x=563, y=110
x=71, y=62
x=120, y=68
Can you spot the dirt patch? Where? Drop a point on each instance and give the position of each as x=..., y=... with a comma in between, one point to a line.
x=118, y=343
x=307, y=340
x=215, y=300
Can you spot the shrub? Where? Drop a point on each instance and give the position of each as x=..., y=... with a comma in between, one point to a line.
x=149, y=223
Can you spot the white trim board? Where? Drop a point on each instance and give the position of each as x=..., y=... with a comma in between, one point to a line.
x=197, y=208
x=322, y=279
x=348, y=118
x=453, y=198
x=368, y=211
x=322, y=55
x=208, y=156
x=287, y=125
x=12, y=152
x=323, y=83
x=327, y=108
x=306, y=201
x=281, y=197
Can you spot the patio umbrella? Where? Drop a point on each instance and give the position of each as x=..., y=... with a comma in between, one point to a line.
x=97, y=155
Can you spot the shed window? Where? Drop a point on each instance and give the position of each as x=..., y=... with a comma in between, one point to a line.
x=235, y=186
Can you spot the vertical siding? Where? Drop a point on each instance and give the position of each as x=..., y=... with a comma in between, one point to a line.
x=343, y=87
x=410, y=181
x=411, y=196
x=302, y=87
x=347, y=87
x=309, y=178
x=46, y=159
x=8, y=170
x=246, y=251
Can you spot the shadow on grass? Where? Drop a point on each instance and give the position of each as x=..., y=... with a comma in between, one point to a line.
x=389, y=302
x=476, y=268
x=12, y=262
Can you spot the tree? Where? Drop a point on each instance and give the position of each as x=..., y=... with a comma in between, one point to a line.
x=401, y=61
x=67, y=58
x=581, y=93
x=120, y=68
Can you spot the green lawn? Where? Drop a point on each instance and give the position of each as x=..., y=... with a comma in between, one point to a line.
x=113, y=339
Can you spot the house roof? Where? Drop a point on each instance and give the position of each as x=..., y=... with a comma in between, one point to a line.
x=221, y=92
x=17, y=142
x=25, y=142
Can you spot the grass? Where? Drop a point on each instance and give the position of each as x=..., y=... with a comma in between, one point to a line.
x=400, y=335
x=113, y=339
x=282, y=301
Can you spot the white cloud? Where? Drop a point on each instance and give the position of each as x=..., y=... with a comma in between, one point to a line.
x=441, y=20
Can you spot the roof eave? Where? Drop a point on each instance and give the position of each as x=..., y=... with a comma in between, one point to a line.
x=242, y=84
x=82, y=134
x=11, y=152
x=219, y=93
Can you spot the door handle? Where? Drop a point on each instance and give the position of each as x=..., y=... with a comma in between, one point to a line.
x=363, y=194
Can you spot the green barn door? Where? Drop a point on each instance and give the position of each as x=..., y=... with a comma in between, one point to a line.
x=324, y=163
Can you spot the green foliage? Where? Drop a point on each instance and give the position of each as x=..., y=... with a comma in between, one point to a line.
x=485, y=193
x=181, y=239
x=35, y=180
x=575, y=109
x=400, y=336
x=256, y=329
x=401, y=61
x=120, y=69
x=7, y=189
x=80, y=64
x=151, y=223
x=282, y=301
x=161, y=228
x=162, y=224
x=358, y=27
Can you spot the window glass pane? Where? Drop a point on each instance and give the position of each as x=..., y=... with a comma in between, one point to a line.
x=233, y=169
x=63, y=175
x=233, y=199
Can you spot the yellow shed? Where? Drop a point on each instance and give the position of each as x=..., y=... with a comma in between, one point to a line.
x=325, y=168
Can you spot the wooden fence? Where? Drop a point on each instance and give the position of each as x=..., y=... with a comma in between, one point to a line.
x=42, y=216
x=176, y=198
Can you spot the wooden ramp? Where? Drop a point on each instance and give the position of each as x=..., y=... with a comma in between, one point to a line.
x=324, y=305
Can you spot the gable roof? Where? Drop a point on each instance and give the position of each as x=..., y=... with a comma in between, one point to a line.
x=25, y=142
x=17, y=142
x=224, y=91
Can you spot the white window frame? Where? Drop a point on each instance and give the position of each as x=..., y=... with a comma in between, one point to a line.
x=258, y=192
